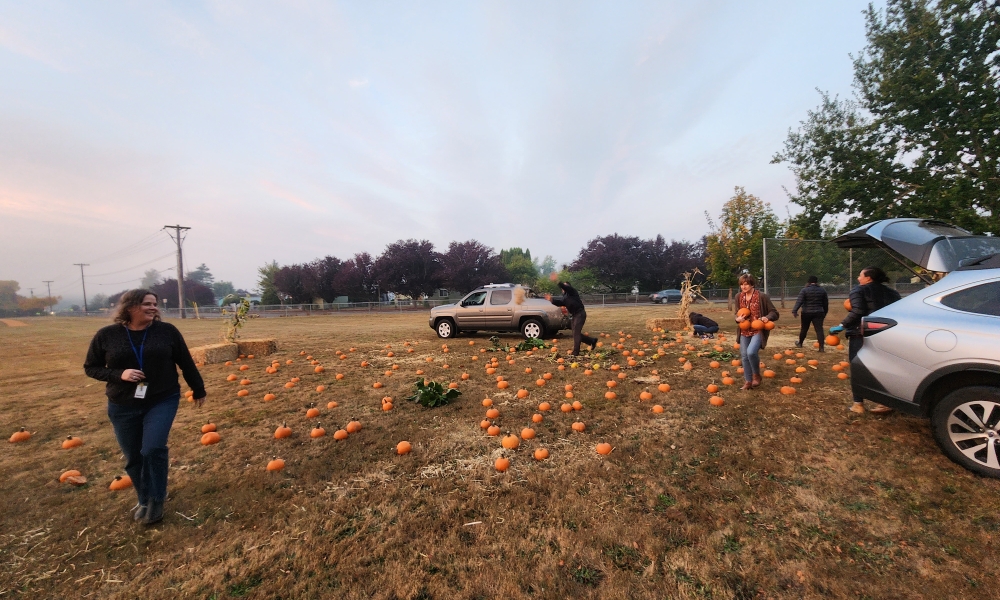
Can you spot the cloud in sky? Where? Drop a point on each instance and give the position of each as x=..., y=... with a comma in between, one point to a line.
x=532, y=125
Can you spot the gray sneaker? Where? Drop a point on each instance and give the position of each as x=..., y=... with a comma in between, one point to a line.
x=140, y=512
x=154, y=513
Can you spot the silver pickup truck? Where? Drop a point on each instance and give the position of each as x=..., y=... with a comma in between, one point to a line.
x=495, y=307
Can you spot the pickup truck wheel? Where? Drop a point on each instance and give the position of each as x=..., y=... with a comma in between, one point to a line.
x=446, y=329
x=532, y=329
x=966, y=425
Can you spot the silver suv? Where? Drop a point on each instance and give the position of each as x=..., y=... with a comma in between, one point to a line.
x=495, y=307
x=936, y=353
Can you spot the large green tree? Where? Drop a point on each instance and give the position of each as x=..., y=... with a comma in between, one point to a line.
x=922, y=137
x=735, y=243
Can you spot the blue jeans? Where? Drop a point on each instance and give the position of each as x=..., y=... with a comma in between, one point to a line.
x=702, y=330
x=749, y=348
x=142, y=435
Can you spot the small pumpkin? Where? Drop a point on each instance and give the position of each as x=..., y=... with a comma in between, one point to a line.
x=768, y=373
x=332, y=404
x=484, y=424
x=492, y=413
x=493, y=430
x=645, y=395
x=527, y=433
x=541, y=454
x=712, y=388
x=245, y=382
x=403, y=447
x=832, y=340
x=290, y=385
x=502, y=464
x=317, y=432
x=269, y=397
x=232, y=378
x=510, y=442
x=208, y=427
x=522, y=393
x=243, y=393
x=212, y=437
x=663, y=387
x=282, y=432
x=67, y=474
x=71, y=442
x=320, y=388
x=353, y=426
x=312, y=413
x=566, y=407
x=120, y=482
x=716, y=401
x=657, y=409
x=796, y=380
x=579, y=426
x=537, y=418
x=544, y=406
x=577, y=405
x=604, y=448
x=276, y=464
x=787, y=390
x=842, y=375
x=609, y=395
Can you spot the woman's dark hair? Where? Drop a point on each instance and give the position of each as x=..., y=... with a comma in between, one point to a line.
x=813, y=279
x=130, y=300
x=748, y=278
x=876, y=274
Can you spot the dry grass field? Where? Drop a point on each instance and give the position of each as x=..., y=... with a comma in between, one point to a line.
x=770, y=495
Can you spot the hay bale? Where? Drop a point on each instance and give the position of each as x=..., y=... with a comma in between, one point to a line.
x=668, y=324
x=214, y=353
x=257, y=347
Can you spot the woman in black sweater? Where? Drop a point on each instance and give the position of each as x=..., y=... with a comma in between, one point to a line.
x=138, y=357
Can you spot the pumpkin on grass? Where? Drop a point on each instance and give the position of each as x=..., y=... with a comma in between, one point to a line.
x=275, y=464
x=67, y=474
x=502, y=464
x=71, y=442
x=541, y=454
x=282, y=432
x=210, y=438
x=510, y=442
x=208, y=427
x=120, y=482
x=604, y=448
x=317, y=432
x=403, y=447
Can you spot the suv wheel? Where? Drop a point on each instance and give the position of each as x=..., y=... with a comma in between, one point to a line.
x=967, y=427
x=532, y=329
x=446, y=329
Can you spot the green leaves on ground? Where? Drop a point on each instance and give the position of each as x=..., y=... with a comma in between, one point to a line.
x=432, y=393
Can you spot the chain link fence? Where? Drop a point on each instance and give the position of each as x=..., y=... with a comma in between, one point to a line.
x=788, y=263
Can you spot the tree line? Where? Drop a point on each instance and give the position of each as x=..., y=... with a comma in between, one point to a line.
x=414, y=268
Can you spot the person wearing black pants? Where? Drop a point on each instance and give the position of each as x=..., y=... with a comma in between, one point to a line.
x=814, y=304
x=869, y=295
x=138, y=357
x=574, y=305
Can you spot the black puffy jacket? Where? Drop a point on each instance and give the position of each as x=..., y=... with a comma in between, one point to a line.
x=813, y=301
x=866, y=299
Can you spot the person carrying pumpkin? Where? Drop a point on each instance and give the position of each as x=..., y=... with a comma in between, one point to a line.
x=574, y=305
x=869, y=295
x=755, y=314
x=138, y=357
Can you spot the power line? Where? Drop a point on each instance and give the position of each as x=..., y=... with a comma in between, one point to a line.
x=178, y=237
x=82, y=265
x=138, y=246
x=134, y=266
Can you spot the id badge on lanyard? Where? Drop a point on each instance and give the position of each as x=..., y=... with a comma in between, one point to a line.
x=142, y=386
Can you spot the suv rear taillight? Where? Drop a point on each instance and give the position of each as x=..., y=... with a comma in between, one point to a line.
x=873, y=325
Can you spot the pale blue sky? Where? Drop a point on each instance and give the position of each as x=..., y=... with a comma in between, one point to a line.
x=293, y=130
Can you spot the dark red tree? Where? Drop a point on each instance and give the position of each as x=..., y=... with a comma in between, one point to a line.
x=470, y=264
x=410, y=268
x=356, y=278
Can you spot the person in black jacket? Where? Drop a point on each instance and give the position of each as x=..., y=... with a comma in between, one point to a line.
x=814, y=304
x=138, y=357
x=870, y=295
x=574, y=305
x=702, y=325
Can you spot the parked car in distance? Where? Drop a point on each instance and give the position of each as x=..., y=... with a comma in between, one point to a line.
x=666, y=296
x=494, y=307
x=936, y=352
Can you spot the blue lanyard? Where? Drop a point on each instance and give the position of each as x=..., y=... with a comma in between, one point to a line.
x=138, y=354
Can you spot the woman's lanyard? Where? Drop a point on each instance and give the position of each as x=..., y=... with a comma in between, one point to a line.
x=140, y=389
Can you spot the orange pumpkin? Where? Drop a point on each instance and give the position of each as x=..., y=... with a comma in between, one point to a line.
x=282, y=432
x=340, y=435
x=317, y=432
x=743, y=312
x=657, y=409
x=522, y=393
x=403, y=447
x=579, y=426
x=276, y=464
x=832, y=340
x=537, y=418
x=510, y=442
x=787, y=390
x=353, y=427
x=312, y=413
x=712, y=388
x=544, y=406
x=492, y=413
x=120, y=482
x=71, y=442
x=645, y=395
x=541, y=454
x=663, y=387
x=502, y=464
x=527, y=433
x=768, y=373
x=269, y=397
x=757, y=324
x=716, y=401
x=604, y=448
x=493, y=430
x=210, y=438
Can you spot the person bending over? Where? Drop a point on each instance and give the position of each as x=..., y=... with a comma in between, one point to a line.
x=574, y=305
x=702, y=325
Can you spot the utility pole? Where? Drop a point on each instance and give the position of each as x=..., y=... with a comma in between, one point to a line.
x=178, y=237
x=32, y=292
x=48, y=286
x=84, y=284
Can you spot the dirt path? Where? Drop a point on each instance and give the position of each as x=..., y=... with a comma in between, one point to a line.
x=13, y=323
